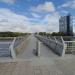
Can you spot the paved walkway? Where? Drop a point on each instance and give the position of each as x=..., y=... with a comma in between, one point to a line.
x=60, y=67
x=47, y=64
x=28, y=53
x=46, y=52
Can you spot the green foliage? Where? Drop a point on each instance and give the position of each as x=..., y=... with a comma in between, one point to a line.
x=44, y=34
x=68, y=38
x=12, y=34
x=58, y=34
x=52, y=34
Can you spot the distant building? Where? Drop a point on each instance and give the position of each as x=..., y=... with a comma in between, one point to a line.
x=66, y=25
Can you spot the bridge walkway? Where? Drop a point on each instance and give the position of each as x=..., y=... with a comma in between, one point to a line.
x=28, y=53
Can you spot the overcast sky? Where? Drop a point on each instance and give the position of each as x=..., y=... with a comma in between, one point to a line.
x=33, y=15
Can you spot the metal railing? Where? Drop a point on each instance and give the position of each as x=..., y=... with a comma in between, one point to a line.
x=11, y=48
x=16, y=44
x=21, y=44
x=4, y=47
x=54, y=44
x=59, y=44
x=70, y=47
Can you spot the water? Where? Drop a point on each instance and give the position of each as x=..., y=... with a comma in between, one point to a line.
x=4, y=48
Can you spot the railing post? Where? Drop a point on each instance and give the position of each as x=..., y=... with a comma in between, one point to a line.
x=38, y=47
x=64, y=47
x=55, y=42
x=12, y=48
x=39, y=44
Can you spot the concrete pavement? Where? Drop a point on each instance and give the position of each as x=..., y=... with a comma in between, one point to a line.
x=59, y=67
x=45, y=52
x=28, y=51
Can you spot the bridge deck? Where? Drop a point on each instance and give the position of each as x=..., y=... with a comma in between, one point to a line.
x=28, y=52
x=52, y=65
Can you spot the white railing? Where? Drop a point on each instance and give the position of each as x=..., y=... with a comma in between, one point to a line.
x=54, y=44
x=70, y=47
x=15, y=43
x=11, y=48
x=64, y=46
x=18, y=42
x=21, y=44
x=60, y=47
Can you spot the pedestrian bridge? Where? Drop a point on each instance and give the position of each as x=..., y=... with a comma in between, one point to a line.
x=26, y=47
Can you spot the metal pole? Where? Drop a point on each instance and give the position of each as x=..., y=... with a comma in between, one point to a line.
x=12, y=49
x=39, y=48
x=64, y=47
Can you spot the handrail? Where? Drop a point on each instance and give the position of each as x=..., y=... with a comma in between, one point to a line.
x=56, y=41
x=54, y=44
x=69, y=41
x=20, y=47
x=11, y=48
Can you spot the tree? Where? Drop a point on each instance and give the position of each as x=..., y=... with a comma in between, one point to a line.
x=58, y=34
x=12, y=34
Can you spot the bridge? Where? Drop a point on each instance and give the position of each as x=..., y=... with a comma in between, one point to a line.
x=37, y=55
x=31, y=46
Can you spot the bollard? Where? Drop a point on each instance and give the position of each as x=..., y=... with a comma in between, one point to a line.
x=39, y=44
x=37, y=48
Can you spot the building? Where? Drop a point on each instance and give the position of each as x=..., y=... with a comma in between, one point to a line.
x=66, y=25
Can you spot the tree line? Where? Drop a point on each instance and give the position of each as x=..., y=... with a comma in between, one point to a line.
x=12, y=34
x=51, y=34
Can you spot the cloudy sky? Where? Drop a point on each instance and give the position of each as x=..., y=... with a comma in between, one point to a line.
x=33, y=15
